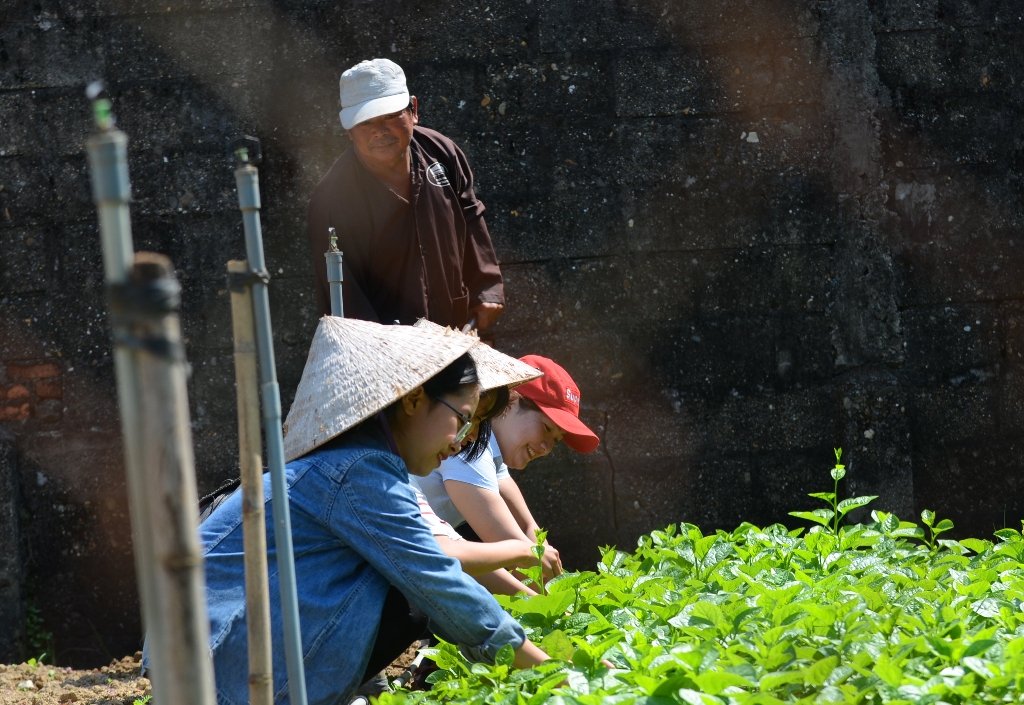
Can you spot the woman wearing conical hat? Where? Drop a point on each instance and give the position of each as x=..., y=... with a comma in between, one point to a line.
x=375, y=405
x=473, y=491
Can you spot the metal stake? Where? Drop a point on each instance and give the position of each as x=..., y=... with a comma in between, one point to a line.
x=150, y=368
x=335, y=276
x=247, y=180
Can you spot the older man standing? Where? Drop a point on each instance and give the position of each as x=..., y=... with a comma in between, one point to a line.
x=402, y=203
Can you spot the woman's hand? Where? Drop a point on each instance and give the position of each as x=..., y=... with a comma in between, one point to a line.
x=551, y=562
x=529, y=655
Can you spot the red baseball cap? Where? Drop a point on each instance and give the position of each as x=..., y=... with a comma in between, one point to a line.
x=559, y=398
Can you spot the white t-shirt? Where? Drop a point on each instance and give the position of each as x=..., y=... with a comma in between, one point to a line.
x=437, y=525
x=483, y=472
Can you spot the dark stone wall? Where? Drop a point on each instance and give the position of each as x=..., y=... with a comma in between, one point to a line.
x=753, y=230
x=11, y=615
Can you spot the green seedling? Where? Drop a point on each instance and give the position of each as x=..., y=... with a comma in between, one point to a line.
x=862, y=614
x=538, y=551
x=142, y=701
x=928, y=519
x=36, y=639
x=829, y=518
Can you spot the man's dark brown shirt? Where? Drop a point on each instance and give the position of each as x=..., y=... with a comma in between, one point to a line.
x=430, y=257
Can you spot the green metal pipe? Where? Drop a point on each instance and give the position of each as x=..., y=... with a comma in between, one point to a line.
x=247, y=181
x=335, y=276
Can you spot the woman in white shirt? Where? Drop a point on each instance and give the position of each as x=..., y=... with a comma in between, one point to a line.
x=473, y=491
x=485, y=562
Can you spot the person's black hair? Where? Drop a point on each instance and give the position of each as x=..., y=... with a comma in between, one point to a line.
x=501, y=397
x=527, y=404
x=451, y=379
x=475, y=449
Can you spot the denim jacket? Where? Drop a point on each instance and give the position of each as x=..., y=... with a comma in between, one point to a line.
x=356, y=528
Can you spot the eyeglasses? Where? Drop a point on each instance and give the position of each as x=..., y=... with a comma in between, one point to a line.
x=467, y=423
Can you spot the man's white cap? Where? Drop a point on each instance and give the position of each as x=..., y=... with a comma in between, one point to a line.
x=371, y=89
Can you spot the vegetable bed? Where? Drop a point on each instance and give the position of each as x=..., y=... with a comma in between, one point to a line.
x=880, y=612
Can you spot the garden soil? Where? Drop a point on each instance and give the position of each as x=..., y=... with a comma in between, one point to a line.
x=116, y=684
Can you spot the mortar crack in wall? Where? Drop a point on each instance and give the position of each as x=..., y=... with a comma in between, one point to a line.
x=611, y=464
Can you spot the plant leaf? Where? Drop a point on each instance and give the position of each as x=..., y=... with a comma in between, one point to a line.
x=848, y=505
x=506, y=655
x=976, y=545
x=820, y=516
x=714, y=682
x=557, y=645
x=888, y=672
x=1009, y=535
x=771, y=681
x=816, y=674
x=545, y=605
x=709, y=613
x=979, y=647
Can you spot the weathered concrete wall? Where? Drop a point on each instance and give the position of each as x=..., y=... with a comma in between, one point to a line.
x=11, y=619
x=753, y=230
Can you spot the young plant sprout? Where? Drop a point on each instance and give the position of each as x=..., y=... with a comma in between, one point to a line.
x=837, y=510
x=536, y=573
x=928, y=519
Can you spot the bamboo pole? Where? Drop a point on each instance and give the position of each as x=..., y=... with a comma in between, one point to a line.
x=257, y=591
x=169, y=465
x=150, y=367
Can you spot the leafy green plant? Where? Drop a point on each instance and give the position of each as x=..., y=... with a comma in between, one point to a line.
x=837, y=510
x=863, y=614
x=535, y=574
x=540, y=536
x=928, y=519
x=142, y=701
x=36, y=639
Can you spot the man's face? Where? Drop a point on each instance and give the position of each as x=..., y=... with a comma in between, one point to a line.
x=384, y=140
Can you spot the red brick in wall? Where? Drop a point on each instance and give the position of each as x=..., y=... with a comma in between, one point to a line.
x=14, y=413
x=46, y=389
x=39, y=370
x=31, y=390
x=17, y=391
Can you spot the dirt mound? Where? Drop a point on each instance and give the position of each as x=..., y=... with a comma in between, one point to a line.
x=116, y=684
x=40, y=684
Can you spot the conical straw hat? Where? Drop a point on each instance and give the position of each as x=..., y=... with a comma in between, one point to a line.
x=355, y=369
x=495, y=369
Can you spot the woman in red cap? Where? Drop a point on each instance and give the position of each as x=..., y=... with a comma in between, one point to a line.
x=477, y=496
